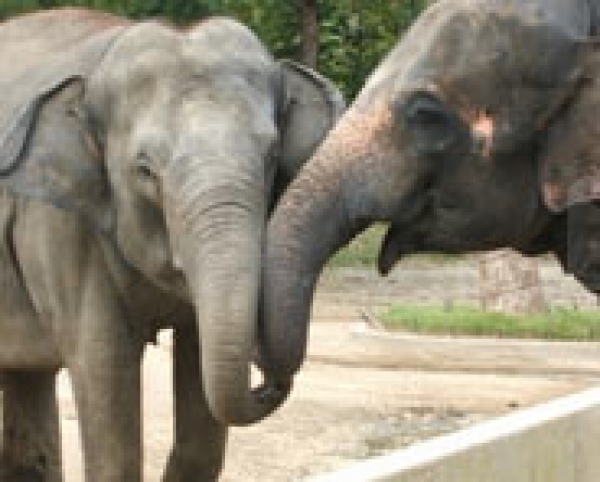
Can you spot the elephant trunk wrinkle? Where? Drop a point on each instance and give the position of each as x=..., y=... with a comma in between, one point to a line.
x=218, y=231
x=305, y=230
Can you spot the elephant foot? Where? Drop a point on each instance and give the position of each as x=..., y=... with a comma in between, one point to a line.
x=31, y=442
x=22, y=474
x=185, y=466
x=200, y=440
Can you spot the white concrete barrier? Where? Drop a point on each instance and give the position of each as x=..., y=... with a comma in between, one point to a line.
x=555, y=442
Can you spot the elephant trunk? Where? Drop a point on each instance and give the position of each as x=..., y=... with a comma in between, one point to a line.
x=300, y=243
x=343, y=189
x=219, y=240
x=315, y=217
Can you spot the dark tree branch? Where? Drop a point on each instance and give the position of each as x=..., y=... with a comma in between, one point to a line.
x=310, y=32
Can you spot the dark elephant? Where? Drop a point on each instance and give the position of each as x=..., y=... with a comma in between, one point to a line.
x=442, y=143
x=137, y=166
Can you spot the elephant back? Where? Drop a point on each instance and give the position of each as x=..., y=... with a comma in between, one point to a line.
x=40, y=53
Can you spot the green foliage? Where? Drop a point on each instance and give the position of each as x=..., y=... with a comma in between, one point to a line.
x=559, y=324
x=179, y=11
x=354, y=34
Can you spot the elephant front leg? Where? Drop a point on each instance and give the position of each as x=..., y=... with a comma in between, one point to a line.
x=106, y=376
x=31, y=446
x=107, y=388
x=200, y=440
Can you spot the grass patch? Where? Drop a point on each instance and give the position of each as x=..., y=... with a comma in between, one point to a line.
x=558, y=324
x=364, y=249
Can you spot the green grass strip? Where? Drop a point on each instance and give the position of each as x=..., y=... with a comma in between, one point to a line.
x=558, y=324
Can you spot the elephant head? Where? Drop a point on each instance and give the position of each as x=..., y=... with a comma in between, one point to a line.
x=171, y=145
x=442, y=143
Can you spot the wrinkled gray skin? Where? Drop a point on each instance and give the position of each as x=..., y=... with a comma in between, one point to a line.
x=137, y=164
x=442, y=143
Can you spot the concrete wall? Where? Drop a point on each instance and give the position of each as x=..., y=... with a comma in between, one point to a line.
x=555, y=442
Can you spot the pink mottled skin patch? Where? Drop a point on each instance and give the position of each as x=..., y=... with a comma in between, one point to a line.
x=482, y=125
x=560, y=195
x=555, y=195
x=481, y=122
x=362, y=139
x=362, y=130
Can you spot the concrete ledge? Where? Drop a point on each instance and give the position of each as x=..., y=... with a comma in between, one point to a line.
x=555, y=442
x=357, y=344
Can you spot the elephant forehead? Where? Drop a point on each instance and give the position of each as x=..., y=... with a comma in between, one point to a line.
x=231, y=37
x=152, y=54
x=144, y=52
x=145, y=36
x=474, y=43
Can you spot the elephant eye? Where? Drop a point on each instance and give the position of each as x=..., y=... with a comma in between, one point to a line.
x=145, y=177
x=425, y=111
x=144, y=171
x=432, y=127
x=144, y=166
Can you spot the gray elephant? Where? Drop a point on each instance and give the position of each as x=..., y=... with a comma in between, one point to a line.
x=442, y=143
x=137, y=165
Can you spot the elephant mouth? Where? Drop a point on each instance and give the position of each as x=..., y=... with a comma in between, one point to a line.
x=590, y=281
x=405, y=234
x=432, y=230
x=397, y=243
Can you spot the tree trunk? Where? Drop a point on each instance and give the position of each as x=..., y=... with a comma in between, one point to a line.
x=310, y=33
x=510, y=283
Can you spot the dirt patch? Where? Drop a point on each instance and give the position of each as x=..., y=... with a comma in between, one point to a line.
x=336, y=415
x=341, y=414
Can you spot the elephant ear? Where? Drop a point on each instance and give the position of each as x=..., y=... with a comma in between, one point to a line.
x=48, y=150
x=309, y=107
x=570, y=154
